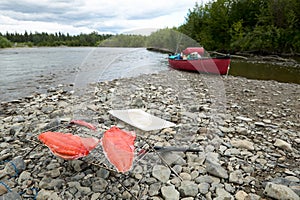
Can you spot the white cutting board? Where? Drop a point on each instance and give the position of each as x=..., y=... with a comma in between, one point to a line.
x=140, y=119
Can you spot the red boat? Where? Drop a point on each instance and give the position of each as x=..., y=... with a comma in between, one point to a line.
x=195, y=61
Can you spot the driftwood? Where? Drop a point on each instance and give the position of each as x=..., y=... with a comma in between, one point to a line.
x=278, y=58
x=232, y=56
x=161, y=50
x=250, y=56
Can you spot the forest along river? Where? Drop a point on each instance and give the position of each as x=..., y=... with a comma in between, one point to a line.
x=28, y=70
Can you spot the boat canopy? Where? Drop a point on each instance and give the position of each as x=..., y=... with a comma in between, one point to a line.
x=189, y=50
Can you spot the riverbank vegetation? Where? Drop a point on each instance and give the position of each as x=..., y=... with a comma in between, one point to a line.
x=262, y=26
x=255, y=26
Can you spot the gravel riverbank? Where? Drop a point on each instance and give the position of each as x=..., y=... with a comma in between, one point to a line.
x=247, y=133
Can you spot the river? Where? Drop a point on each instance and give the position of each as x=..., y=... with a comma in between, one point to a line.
x=28, y=70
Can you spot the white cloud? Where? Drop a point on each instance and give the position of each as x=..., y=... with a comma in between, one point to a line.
x=85, y=16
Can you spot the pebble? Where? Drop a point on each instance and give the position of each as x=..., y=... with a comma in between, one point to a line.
x=282, y=192
x=188, y=189
x=249, y=150
x=216, y=170
x=241, y=195
x=170, y=193
x=11, y=195
x=161, y=172
x=283, y=145
x=242, y=144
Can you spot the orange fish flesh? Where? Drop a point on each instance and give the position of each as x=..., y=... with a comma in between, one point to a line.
x=83, y=123
x=118, y=147
x=67, y=145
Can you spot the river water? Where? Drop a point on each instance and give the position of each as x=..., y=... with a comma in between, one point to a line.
x=28, y=70
x=24, y=71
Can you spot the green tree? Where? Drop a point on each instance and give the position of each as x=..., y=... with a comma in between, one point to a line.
x=4, y=43
x=247, y=25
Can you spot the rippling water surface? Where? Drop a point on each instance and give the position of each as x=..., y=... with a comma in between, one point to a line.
x=26, y=70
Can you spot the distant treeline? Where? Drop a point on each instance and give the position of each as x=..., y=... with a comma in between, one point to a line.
x=257, y=26
x=263, y=26
x=50, y=39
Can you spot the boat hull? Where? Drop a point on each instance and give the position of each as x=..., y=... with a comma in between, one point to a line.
x=217, y=65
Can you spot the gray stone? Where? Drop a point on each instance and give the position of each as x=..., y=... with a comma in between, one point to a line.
x=204, y=179
x=49, y=183
x=99, y=185
x=242, y=144
x=246, y=119
x=216, y=170
x=223, y=194
x=229, y=188
x=232, y=152
x=11, y=195
x=95, y=196
x=84, y=190
x=154, y=188
x=236, y=177
x=43, y=194
x=25, y=175
x=203, y=188
x=185, y=176
x=170, y=193
x=54, y=173
x=253, y=197
x=283, y=145
x=161, y=172
x=281, y=192
x=103, y=173
x=188, y=189
x=77, y=165
x=18, y=119
x=241, y=195
x=226, y=129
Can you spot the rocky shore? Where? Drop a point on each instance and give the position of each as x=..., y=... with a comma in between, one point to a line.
x=246, y=133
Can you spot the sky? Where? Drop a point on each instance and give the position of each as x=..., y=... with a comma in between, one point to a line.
x=85, y=16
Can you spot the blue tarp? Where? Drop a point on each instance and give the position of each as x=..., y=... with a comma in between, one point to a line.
x=175, y=57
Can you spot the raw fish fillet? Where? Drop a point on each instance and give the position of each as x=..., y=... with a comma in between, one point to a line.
x=118, y=146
